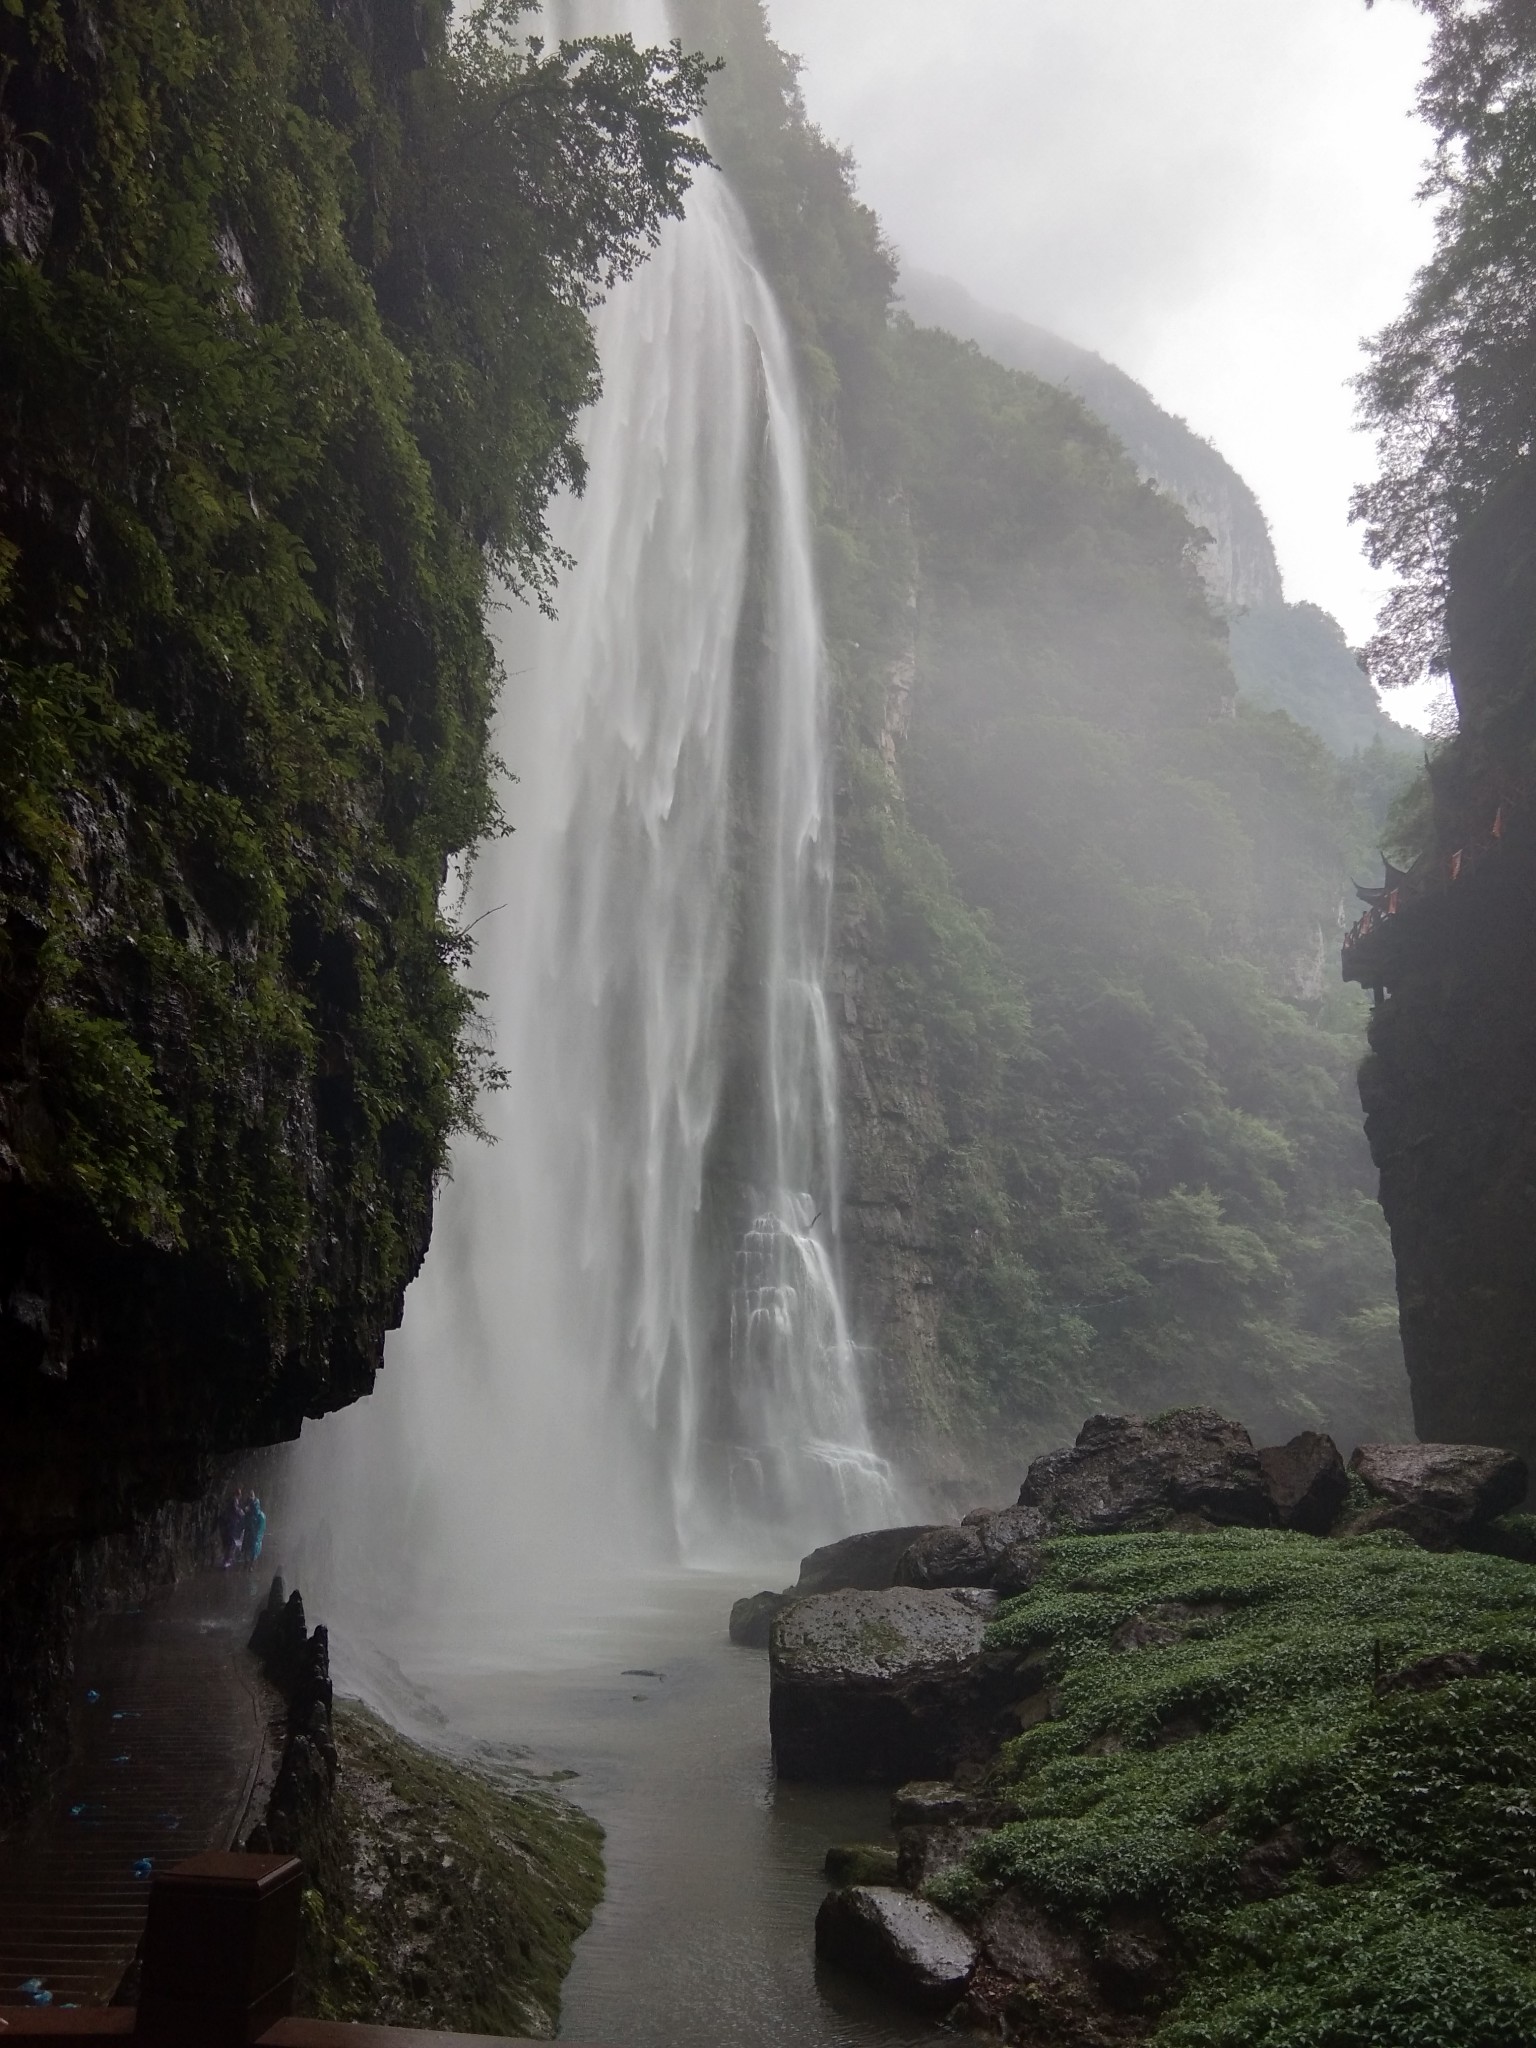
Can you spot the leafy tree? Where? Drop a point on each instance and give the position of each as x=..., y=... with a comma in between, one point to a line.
x=1451, y=389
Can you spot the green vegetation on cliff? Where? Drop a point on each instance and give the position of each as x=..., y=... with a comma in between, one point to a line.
x=1101, y=1122
x=294, y=332
x=1324, y=1835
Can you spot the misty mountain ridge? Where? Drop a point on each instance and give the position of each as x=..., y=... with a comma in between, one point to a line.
x=1287, y=657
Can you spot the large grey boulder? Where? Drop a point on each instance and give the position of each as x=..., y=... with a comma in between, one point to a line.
x=1306, y=1482
x=1125, y=1472
x=863, y=1563
x=945, y=1557
x=1437, y=1493
x=876, y=1688
x=903, y=1944
x=1002, y=1529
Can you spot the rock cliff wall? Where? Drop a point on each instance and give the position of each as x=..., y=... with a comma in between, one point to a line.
x=1449, y=1087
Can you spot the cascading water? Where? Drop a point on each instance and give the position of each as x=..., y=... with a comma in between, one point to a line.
x=631, y=1320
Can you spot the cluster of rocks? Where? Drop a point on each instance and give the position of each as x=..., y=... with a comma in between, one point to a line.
x=1018, y=1974
x=881, y=1673
x=298, y=1663
x=879, y=1666
x=1017, y=1967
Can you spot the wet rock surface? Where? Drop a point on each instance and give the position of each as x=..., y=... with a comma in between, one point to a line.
x=932, y=1802
x=1306, y=1482
x=1003, y=1529
x=751, y=1620
x=945, y=1557
x=1125, y=1472
x=903, y=1944
x=922, y=1854
x=880, y=1687
x=862, y=1863
x=1437, y=1493
x=863, y=1563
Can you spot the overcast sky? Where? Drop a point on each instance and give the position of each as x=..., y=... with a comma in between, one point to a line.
x=1218, y=195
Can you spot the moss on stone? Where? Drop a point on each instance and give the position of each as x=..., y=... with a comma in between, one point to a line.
x=862, y=1863
x=442, y=1896
x=1287, y=1700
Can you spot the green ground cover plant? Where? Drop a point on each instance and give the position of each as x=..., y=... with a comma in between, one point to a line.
x=1212, y=1693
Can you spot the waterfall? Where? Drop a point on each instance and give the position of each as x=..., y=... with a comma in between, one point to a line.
x=630, y=1327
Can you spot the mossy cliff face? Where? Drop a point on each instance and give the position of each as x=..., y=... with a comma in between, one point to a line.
x=1449, y=1088
x=294, y=334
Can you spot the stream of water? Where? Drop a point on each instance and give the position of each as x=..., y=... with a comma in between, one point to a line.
x=705, y=1935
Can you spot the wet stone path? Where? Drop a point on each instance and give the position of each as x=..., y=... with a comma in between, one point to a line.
x=172, y=1741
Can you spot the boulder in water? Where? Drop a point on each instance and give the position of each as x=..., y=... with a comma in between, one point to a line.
x=752, y=1618
x=862, y=1863
x=882, y=1687
x=1306, y=1482
x=929, y=1802
x=864, y=1563
x=903, y=1944
x=1125, y=1472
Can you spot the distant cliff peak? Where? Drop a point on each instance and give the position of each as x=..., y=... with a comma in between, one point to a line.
x=1286, y=657
x=1239, y=566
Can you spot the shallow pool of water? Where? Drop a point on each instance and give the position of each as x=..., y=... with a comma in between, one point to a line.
x=705, y=1935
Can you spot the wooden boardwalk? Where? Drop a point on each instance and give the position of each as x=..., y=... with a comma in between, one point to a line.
x=173, y=1733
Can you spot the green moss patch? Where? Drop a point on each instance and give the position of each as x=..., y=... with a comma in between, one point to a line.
x=442, y=1896
x=1214, y=1694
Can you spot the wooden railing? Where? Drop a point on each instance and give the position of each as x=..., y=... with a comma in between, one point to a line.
x=219, y=1954
x=1432, y=878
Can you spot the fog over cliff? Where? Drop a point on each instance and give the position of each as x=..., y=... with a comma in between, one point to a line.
x=1216, y=195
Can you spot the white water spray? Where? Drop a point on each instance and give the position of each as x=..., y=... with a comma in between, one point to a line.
x=630, y=1322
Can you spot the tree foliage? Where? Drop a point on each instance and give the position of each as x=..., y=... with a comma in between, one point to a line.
x=293, y=339
x=1451, y=388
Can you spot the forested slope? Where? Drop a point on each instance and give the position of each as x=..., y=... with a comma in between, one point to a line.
x=1286, y=657
x=1102, y=1143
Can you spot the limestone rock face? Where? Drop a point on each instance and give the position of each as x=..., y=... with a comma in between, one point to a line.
x=1450, y=1111
x=1437, y=1493
x=863, y=1563
x=1127, y=1473
x=876, y=1688
x=1306, y=1481
x=896, y=1941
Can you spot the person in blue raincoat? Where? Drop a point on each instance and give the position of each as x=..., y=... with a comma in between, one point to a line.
x=232, y=1527
x=255, y=1530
